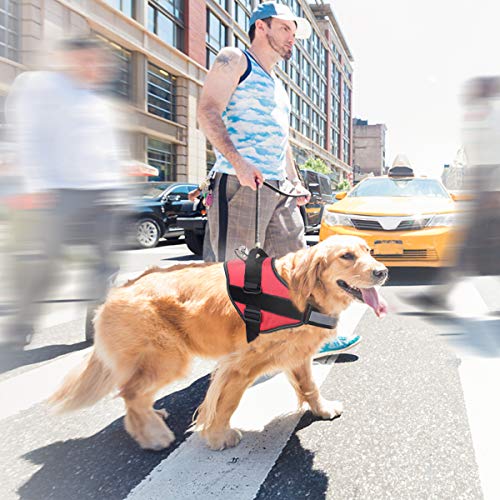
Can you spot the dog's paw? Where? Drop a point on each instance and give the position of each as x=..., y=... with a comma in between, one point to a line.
x=328, y=409
x=161, y=412
x=159, y=440
x=221, y=440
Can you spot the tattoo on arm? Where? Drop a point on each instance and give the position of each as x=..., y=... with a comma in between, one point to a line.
x=223, y=60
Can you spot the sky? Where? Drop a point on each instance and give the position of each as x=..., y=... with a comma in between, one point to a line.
x=411, y=59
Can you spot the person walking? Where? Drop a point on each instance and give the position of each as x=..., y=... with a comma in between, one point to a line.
x=479, y=246
x=244, y=111
x=68, y=154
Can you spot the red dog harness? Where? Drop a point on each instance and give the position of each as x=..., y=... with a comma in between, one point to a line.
x=262, y=297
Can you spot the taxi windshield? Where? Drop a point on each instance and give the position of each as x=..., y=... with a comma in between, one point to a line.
x=401, y=188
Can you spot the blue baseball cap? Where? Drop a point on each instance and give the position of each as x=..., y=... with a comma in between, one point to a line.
x=281, y=11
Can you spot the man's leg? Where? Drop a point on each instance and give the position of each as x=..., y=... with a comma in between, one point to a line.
x=285, y=229
x=232, y=216
x=35, y=262
x=105, y=268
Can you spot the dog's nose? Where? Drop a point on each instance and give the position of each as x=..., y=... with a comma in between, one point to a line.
x=380, y=274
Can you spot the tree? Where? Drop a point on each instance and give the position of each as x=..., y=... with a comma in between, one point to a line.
x=343, y=185
x=317, y=165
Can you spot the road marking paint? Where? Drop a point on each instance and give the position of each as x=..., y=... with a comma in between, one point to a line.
x=267, y=415
x=27, y=389
x=480, y=378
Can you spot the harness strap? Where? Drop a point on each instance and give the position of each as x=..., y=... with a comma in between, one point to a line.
x=281, y=306
x=253, y=271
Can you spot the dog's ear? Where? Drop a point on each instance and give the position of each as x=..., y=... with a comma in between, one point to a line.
x=305, y=274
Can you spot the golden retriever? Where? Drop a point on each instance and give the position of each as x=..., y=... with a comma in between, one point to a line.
x=148, y=331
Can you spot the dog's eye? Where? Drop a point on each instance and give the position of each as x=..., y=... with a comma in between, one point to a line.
x=348, y=256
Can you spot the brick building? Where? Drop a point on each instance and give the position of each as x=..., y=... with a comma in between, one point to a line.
x=163, y=49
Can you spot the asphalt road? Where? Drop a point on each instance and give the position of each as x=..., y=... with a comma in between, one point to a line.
x=420, y=415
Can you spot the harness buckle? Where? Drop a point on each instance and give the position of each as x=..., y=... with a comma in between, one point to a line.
x=252, y=288
x=252, y=315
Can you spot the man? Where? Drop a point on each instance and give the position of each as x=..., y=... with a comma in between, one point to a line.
x=244, y=111
x=68, y=155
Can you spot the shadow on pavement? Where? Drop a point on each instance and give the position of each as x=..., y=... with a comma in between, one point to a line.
x=110, y=463
x=184, y=258
x=294, y=475
x=412, y=276
x=9, y=360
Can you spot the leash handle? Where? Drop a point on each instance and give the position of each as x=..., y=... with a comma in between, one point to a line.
x=282, y=193
x=257, y=212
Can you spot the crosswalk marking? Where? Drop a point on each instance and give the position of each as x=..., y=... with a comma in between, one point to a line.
x=267, y=415
x=30, y=388
x=480, y=378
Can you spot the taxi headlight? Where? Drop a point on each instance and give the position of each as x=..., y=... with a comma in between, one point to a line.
x=335, y=219
x=443, y=220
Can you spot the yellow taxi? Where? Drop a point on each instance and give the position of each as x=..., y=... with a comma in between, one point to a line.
x=406, y=220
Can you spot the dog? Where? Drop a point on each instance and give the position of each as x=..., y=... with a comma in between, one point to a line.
x=149, y=329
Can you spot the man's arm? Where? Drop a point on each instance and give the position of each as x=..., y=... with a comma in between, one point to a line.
x=221, y=82
x=294, y=178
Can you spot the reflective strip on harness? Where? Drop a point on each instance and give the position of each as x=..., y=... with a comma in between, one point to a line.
x=266, y=308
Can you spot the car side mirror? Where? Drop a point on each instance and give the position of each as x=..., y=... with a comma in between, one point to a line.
x=341, y=196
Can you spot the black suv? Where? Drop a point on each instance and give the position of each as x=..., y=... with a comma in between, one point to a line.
x=156, y=208
x=319, y=185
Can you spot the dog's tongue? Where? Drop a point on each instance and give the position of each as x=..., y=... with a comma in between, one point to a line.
x=375, y=301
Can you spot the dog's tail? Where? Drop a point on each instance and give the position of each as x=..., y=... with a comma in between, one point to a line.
x=84, y=385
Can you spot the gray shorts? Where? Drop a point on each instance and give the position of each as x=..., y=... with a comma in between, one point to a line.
x=231, y=220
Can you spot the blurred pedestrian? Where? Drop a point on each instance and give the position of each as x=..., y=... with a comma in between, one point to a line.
x=68, y=155
x=479, y=248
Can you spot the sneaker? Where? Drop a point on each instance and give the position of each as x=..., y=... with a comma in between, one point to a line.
x=340, y=344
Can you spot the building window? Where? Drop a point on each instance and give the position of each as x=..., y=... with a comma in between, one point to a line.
x=120, y=85
x=239, y=43
x=161, y=93
x=345, y=152
x=347, y=96
x=222, y=3
x=9, y=29
x=335, y=111
x=216, y=37
x=126, y=6
x=242, y=10
x=166, y=19
x=335, y=79
x=210, y=157
x=334, y=139
x=162, y=156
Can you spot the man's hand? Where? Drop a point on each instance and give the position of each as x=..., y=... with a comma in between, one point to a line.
x=302, y=200
x=248, y=175
x=192, y=195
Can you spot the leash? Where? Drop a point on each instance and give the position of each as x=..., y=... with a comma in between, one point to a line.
x=289, y=195
x=257, y=207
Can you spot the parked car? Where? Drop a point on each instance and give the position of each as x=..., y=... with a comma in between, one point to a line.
x=406, y=220
x=319, y=185
x=156, y=208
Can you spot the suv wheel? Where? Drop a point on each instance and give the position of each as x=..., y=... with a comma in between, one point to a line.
x=194, y=242
x=147, y=233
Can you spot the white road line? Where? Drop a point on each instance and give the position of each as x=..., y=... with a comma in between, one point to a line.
x=267, y=415
x=480, y=378
x=30, y=388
